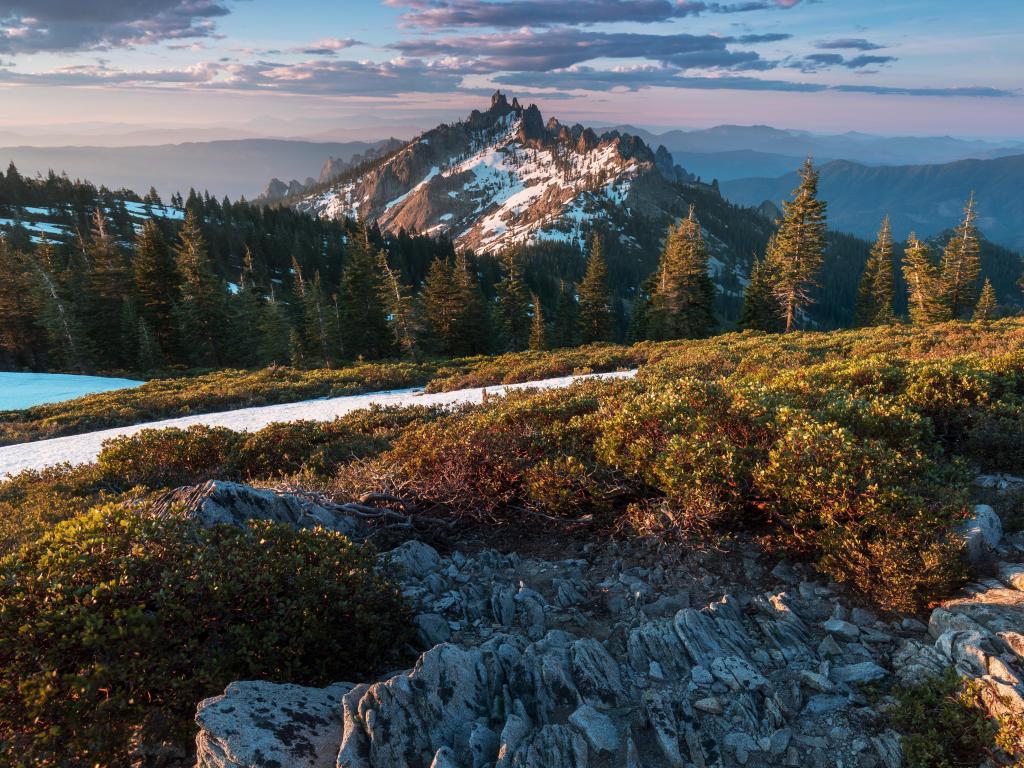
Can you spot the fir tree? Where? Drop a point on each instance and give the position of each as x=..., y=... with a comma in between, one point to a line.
x=640, y=317
x=105, y=285
x=320, y=324
x=401, y=308
x=363, y=319
x=761, y=310
x=513, y=310
x=682, y=303
x=275, y=333
x=147, y=351
x=156, y=283
x=565, y=333
x=797, y=249
x=246, y=309
x=961, y=266
x=988, y=307
x=875, y=294
x=924, y=288
x=20, y=338
x=57, y=313
x=538, y=336
x=441, y=305
x=472, y=327
x=201, y=312
x=595, y=311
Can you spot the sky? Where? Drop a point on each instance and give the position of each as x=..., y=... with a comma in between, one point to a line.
x=319, y=67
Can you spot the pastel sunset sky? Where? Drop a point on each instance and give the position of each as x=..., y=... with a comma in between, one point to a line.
x=924, y=67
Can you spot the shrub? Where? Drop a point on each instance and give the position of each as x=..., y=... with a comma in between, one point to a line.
x=115, y=613
x=942, y=723
x=483, y=461
x=159, y=458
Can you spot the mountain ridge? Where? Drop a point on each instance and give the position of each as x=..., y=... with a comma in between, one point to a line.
x=505, y=177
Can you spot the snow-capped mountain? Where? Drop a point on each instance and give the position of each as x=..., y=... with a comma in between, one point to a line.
x=504, y=177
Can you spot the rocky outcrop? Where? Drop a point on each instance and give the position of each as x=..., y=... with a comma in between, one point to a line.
x=222, y=502
x=613, y=657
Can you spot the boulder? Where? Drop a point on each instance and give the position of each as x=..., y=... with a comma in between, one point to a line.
x=981, y=533
x=256, y=724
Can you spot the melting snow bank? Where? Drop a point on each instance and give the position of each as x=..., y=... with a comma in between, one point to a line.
x=81, y=449
x=24, y=390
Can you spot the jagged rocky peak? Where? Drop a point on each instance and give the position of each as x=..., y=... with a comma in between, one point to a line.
x=504, y=176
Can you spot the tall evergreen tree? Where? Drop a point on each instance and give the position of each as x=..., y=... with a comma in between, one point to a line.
x=57, y=312
x=320, y=324
x=441, y=305
x=565, y=330
x=875, y=294
x=106, y=285
x=513, y=310
x=595, y=310
x=988, y=306
x=246, y=310
x=925, y=297
x=682, y=304
x=961, y=265
x=363, y=318
x=156, y=283
x=761, y=310
x=538, y=334
x=20, y=338
x=201, y=313
x=401, y=308
x=797, y=249
x=275, y=333
x=472, y=328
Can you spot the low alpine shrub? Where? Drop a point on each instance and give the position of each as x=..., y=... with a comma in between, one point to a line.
x=115, y=614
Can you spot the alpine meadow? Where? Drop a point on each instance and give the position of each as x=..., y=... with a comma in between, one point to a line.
x=511, y=384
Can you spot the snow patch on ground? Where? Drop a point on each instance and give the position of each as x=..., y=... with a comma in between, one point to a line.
x=23, y=390
x=81, y=449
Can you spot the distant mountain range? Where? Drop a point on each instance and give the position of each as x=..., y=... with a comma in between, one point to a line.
x=231, y=167
x=925, y=198
x=730, y=152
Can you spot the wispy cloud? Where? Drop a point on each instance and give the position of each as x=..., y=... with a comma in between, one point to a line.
x=816, y=62
x=538, y=51
x=848, y=43
x=448, y=14
x=584, y=78
x=32, y=26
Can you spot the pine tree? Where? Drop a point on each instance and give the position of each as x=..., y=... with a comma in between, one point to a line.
x=538, y=335
x=988, y=307
x=961, y=265
x=682, y=302
x=595, y=311
x=401, y=308
x=106, y=284
x=201, y=313
x=21, y=339
x=761, y=310
x=320, y=324
x=875, y=294
x=441, y=305
x=797, y=250
x=246, y=308
x=925, y=297
x=513, y=310
x=472, y=327
x=363, y=319
x=156, y=283
x=565, y=333
x=274, y=333
x=57, y=312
